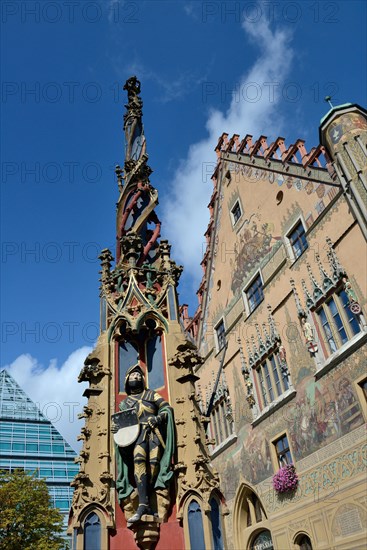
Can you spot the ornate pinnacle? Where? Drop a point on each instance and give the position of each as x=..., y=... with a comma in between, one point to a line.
x=335, y=265
x=131, y=247
x=267, y=337
x=249, y=353
x=260, y=340
x=244, y=368
x=309, y=299
x=301, y=312
x=254, y=348
x=135, y=104
x=273, y=331
x=326, y=281
x=317, y=291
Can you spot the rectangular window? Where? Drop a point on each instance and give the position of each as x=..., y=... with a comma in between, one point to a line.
x=283, y=451
x=236, y=213
x=336, y=320
x=221, y=427
x=254, y=293
x=327, y=330
x=351, y=318
x=262, y=386
x=297, y=240
x=338, y=324
x=221, y=335
x=272, y=381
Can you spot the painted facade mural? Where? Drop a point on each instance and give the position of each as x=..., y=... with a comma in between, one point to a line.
x=321, y=413
x=254, y=242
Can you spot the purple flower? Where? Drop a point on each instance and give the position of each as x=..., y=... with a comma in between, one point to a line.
x=285, y=479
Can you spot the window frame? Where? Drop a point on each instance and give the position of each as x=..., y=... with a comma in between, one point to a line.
x=279, y=454
x=274, y=453
x=346, y=320
x=265, y=376
x=234, y=219
x=221, y=429
x=218, y=344
x=246, y=289
x=289, y=246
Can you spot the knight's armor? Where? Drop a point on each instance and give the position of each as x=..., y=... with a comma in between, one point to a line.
x=152, y=413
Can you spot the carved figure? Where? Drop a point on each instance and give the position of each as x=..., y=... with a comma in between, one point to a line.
x=352, y=297
x=282, y=354
x=307, y=330
x=145, y=463
x=309, y=337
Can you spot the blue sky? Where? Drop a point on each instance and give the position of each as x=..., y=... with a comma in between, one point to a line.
x=205, y=68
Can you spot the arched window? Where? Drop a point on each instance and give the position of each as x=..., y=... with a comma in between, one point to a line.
x=251, y=527
x=253, y=509
x=216, y=524
x=262, y=541
x=92, y=532
x=196, y=529
x=303, y=542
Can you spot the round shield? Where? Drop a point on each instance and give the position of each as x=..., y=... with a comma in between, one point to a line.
x=355, y=308
x=128, y=427
x=126, y=436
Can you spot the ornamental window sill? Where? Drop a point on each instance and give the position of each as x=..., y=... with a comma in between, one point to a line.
x=224, y=445
x=342, y=353
x=274, y=406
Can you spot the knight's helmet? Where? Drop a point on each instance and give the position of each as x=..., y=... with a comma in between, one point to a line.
x=134, y=368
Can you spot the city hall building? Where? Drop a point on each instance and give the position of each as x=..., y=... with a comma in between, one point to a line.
x=243, y=426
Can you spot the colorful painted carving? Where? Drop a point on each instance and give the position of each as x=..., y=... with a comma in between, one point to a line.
x=354, y=306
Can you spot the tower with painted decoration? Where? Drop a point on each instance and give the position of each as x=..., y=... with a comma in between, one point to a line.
x=141, y=326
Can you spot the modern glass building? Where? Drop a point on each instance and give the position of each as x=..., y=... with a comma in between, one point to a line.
x=29, y=441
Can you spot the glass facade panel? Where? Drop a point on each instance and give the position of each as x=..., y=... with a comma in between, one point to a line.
x=31, y=445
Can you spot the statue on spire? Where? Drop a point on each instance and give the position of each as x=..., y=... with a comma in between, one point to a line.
x=133, y=125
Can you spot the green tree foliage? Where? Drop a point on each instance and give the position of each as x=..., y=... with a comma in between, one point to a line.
x=27, y=519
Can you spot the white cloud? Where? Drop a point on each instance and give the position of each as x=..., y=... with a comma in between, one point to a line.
x=184, y=208
x=55, y=390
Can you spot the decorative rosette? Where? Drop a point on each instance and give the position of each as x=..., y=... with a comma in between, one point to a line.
x=286, y=479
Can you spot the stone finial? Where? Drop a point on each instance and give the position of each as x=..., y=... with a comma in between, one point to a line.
x=308, y=297
x=274, y=335
x=317, y=290
x=249, y=353
x=326, y=280
x=261, y=344
x=301, y=312
x=336, y=268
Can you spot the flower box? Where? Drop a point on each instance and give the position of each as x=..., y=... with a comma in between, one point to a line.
x=286, y=479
